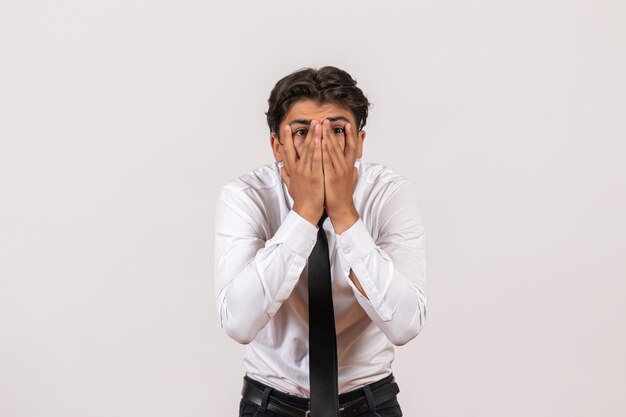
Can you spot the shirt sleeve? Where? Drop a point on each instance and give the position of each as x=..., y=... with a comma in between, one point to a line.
x=253, y=277
x=392, y=268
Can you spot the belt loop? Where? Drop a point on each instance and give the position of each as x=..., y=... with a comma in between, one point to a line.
x=265, y=400
x=370, y=399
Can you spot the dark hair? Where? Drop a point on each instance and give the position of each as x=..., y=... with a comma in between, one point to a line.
x=326, y=85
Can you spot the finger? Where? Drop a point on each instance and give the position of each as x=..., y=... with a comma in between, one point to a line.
x=314, y=133
x=326, y=163
x=359, y=143
x=317, y=164
x=306, y=144
x=336, y=156
x=290, y=152
x=351, y=146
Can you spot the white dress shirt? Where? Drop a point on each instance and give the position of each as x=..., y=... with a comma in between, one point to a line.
x=261, y=252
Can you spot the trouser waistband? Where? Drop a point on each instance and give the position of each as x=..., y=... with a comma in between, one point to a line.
x=301, y=402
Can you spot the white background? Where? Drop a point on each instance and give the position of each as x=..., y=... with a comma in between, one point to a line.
x=120, y=120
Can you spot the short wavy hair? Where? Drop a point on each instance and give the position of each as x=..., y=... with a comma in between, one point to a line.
x=325, y=85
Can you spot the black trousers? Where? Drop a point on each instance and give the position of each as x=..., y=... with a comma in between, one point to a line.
x=389, y=408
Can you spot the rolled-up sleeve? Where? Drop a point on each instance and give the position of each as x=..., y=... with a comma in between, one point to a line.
x=392, y=268
x=253, y=277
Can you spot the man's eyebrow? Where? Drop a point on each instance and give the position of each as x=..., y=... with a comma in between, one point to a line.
x=308, y=122
x=335, y=118
x=299, y=122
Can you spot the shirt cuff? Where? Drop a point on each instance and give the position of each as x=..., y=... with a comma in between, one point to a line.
x=297, y=233
x=355, y=243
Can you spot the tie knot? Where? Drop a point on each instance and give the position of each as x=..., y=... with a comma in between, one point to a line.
x=321, y=221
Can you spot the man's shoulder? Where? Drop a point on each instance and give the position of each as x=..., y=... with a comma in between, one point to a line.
x=265, y=177
x=376, y=173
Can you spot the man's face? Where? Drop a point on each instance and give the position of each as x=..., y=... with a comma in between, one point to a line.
x=300, y=116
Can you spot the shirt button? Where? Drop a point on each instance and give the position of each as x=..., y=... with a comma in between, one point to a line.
x=347, y=251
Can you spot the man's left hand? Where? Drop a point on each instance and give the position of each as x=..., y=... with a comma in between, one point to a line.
x=340, y=176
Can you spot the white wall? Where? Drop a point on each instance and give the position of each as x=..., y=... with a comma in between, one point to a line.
x=119, y=120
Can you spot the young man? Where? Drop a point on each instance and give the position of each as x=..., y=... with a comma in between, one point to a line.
x=266, y=227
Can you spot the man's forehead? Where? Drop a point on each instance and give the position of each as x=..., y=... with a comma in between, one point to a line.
x=303, y=111
x=298, y=121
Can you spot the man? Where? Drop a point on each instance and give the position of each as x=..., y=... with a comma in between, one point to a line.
x=266, y=228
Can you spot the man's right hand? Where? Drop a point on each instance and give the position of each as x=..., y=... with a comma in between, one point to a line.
x=304, y=175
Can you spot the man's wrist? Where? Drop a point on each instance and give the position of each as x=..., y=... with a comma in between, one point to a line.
x=312, y=216
x=343, y=220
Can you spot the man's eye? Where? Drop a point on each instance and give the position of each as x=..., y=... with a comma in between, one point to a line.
x=299, y=132
x=338, y=130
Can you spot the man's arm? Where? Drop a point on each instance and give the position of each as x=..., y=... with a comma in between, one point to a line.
x=253, y=277
x=388, y=276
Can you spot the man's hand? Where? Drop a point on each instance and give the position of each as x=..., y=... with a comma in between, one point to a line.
x=340, y=176
x=304, y=175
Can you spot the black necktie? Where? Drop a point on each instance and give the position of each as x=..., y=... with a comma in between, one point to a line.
x=322, y=337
